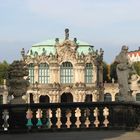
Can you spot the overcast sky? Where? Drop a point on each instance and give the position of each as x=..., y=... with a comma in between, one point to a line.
x=106, y=24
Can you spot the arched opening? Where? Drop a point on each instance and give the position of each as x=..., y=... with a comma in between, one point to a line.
x=1, y=99
x=88, y=98
x=44, y=99
x=31, y=98
x=138, y=97
x=117, y=97
x=66, y=97
x=107, y=97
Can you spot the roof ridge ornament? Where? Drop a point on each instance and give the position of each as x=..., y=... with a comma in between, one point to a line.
x=66, y=34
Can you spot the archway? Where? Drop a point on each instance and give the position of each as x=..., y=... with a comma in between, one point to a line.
x=88, y=98
x=44, y=99
x=107, y=97
x=66, y=97
x=1, y=99
x=31, y=98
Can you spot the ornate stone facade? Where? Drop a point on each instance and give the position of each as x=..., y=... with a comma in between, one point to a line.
x=76, y=86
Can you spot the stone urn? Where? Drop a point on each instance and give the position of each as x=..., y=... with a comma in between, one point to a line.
x=17, y=81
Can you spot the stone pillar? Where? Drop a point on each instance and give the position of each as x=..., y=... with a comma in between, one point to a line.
x=113, y=96
x=94, y=74
x=5, y=95
x=36, y=97
x=36, y=73
x=95, y=97
x=54, y=75
x=79, y=73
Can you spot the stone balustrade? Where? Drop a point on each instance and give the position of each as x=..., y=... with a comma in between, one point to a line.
x=68, y=116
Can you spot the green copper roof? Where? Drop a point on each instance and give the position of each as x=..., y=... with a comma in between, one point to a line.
x=51, y=42
x=48, y=46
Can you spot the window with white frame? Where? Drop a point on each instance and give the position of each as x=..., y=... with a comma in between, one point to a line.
x=66, y=72
x=88, y=73
x=43, y=73
x=31, y=73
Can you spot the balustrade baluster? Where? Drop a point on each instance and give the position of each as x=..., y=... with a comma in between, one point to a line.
x=39, y=116
x=87, y=121
x=68, y=115
x=5, y=117
x=48, y=118
x=58, y=115
x=29, y=116
x=96, y=115
x=106, y=114
x=78, y=115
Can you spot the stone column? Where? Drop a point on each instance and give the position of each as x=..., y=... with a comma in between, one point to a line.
x=36, y=73
x=36, y=97
x=113, y=96
x=94, y=74
x=79, y=73
x=5, y=95
x=54, y=68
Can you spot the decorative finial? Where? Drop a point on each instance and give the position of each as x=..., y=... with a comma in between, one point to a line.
x=75, y=40
x=23, y=53
x=57, y=40
x=66, y=34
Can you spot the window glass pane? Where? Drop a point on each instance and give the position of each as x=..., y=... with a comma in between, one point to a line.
x=88, y=73
x=43, y=73
x=66, y=72
x=138, y=97
x=31, y=73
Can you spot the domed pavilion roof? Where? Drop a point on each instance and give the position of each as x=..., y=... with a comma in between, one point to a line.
x=49, y=47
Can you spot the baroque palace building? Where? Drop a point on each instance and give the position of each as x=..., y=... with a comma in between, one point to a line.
x=64, y=70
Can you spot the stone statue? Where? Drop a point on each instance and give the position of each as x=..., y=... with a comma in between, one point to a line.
x=123, y=69
x=43, y=51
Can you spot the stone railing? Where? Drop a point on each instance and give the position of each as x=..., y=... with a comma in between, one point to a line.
x=68, y=116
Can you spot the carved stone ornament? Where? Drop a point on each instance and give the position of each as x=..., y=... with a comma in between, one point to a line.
x=67, y=49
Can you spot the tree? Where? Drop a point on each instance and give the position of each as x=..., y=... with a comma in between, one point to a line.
x=137, y=67
x=106, y=71
x=3, y=71
x=113, y=73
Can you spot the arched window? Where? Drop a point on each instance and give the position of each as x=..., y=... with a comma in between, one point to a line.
x=138, y=97
x=43, y=73
x=31, y=73
x=88, y=73
x=107, y=97
x=66, y=72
